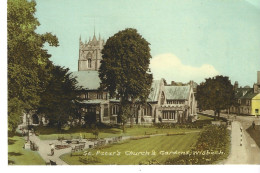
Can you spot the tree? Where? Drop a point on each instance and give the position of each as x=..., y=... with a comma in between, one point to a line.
x=215, y=94
x=27, y=60
x=124, y=70
x=60, y=99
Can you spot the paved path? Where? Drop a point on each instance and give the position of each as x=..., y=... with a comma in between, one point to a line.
x=238, y=153
x=45, y=150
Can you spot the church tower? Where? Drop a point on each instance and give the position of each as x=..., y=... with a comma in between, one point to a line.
x=90, y=54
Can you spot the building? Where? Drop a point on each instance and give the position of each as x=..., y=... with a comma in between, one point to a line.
x=90, y=54
x=248, y=99
x=166, y=103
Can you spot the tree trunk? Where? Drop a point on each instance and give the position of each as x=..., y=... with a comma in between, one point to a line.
x=123, y=127
x=215, y=114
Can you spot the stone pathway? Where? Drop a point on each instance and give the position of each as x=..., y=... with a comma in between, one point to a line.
x=238, y=153
x=45, y=150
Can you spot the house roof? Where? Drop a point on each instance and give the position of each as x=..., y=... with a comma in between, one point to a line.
x=177, y=92
x=245, y=93
x=87, y=79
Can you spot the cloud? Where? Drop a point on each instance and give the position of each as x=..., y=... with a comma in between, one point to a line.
x=170, y=67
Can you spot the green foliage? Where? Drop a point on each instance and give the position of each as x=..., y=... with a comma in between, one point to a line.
x=124, y=69
x=215, y=94
x=60, y=99
x=28, y=62
x=88, y=159
x=212, y=145
x=150, y=162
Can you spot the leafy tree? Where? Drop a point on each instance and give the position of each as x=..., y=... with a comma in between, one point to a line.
x=60, y=99
x=28, y=62
x=124, y=70
x=215, y=94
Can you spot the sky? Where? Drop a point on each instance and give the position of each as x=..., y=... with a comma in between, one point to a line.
x=189, y=39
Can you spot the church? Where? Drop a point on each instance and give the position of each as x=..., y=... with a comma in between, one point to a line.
x=167, y=103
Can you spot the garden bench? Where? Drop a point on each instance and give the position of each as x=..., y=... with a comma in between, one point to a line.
x=100, y=143
x=33, y=146
x=78, y=148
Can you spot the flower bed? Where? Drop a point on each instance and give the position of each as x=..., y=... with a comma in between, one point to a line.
x=198, y=125
x=88, y=159
x=139, y=137
x=58, y=147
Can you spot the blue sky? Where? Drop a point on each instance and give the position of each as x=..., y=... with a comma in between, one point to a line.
x=190, y=39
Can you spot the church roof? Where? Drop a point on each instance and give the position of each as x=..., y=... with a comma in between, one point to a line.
x=153, y=96
x=87, y=79
x=177, y=92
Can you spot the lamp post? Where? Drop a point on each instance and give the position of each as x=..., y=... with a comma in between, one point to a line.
x=27, y=144
x=27, y=117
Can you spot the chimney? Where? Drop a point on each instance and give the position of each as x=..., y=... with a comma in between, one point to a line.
x=236, y=85
x=258, y=77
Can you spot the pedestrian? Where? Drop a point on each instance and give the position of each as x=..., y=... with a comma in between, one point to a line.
x=52, y=149
x=241, y=128
x=253, y=125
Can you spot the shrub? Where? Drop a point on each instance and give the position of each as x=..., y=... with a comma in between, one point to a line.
x=88, y=159
x=150, y=162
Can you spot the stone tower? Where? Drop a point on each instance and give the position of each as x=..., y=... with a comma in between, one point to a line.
x=90, y=54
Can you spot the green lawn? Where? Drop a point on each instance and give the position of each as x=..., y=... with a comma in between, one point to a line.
x=203, y=117
x=47, y=133
x=156, y=143
x=19, y=156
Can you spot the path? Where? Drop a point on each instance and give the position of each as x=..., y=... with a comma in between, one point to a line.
x=238, y=153
x=45, y=149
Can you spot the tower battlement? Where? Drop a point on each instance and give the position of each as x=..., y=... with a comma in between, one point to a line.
x=90, y=54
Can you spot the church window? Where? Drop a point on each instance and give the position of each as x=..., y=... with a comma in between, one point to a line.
x=115, y=110
x=86, y=96
x=99, y=95
x=89, y=63
x=162, y=98
x=148, y=110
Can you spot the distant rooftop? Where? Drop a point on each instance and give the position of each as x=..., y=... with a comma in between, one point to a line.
x=245, y=93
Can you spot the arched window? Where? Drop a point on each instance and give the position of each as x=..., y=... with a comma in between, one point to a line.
x=89, y=63
x=162, y=98
x=148, y=110
x=115, y=110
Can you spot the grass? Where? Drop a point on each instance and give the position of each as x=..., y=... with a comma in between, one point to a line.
x=203, y=117
x=156, y=143
x=19, y=156
x=47, y=133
